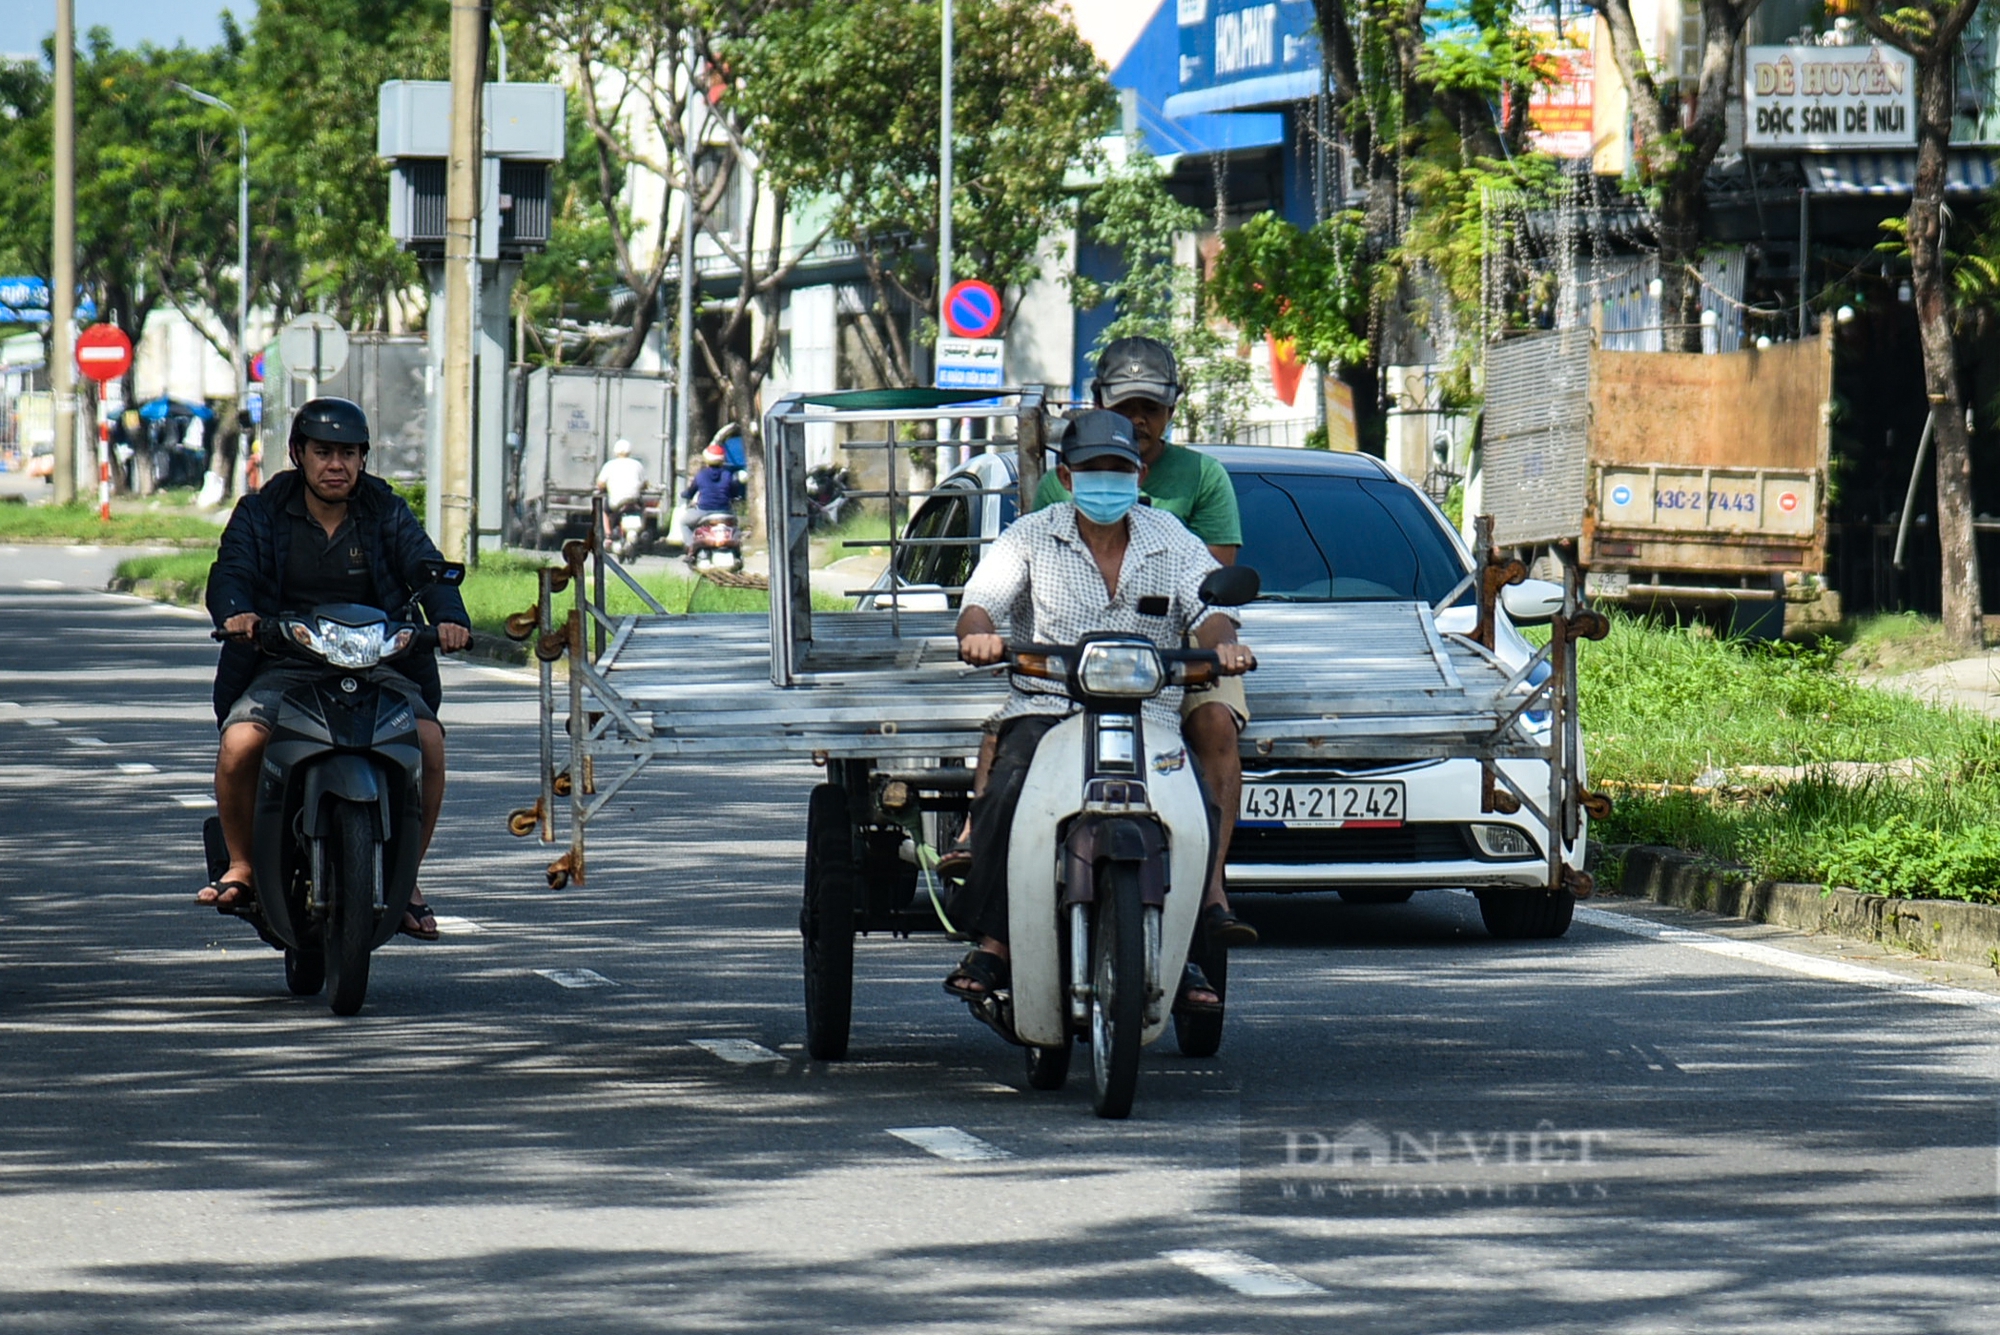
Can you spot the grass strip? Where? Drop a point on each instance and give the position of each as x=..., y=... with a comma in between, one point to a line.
x=502, y=584
x=1667, y=706
x=79, y=523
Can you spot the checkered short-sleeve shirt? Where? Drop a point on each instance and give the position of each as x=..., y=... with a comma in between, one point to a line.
x=1039, y=583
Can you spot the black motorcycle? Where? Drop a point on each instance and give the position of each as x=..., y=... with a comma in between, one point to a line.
x=339, y=814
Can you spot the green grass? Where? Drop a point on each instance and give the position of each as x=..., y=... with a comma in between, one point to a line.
x=503, y=584
x=132, y=520
x=1894, y=642
x=1663, y=705
x=861, y=525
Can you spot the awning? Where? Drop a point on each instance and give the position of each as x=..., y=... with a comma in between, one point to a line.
x=1965, y=173
x=1269, y=90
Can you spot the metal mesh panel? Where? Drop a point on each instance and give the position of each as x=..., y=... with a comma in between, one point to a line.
x=1536, y=436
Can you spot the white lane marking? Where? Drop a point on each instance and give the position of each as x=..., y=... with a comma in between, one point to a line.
x=44, y=722
x=1243, y=1273
x=86, y=741
x=740, y=1051
x=82, y=551
x=449, y=923
x=948, y=1142
x=195, y=801
x=1754, y=952
x=576, y=978
x=41, y=584
x=137, y=767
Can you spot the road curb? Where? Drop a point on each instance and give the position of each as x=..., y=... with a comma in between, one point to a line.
x=1939, y=929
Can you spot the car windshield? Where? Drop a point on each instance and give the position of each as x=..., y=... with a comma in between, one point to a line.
x=1321, y=538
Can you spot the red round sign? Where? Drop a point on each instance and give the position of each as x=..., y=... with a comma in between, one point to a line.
x=1788, y=502
x=103, y=352
x=972, y=309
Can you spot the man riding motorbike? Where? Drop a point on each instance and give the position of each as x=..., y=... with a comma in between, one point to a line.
x=1138, y=379
x=1059, y=574
x=714, y=489
x=322, y=532
x=623, y=482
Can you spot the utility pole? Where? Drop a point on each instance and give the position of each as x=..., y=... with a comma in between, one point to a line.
x=684, y=361
x=944, y=173
x=62, y=274
x=470, y=25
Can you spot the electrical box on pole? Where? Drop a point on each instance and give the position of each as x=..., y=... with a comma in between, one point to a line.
x=523, y=125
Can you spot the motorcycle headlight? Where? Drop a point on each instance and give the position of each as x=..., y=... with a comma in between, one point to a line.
x=1130, y=670
x=350, y=646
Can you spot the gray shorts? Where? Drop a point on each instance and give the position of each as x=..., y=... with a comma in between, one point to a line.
x=259, y=702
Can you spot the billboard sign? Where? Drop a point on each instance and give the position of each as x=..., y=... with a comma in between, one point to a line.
x=1812, y=97
x=971, y=363
x=1245, y=53
x=1559, y=112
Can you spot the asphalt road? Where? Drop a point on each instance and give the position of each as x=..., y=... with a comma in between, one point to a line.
x=1643, y=1127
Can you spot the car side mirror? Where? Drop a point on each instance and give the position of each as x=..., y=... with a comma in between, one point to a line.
x=1532, y=601
x=449, y=574
x=1231, y=586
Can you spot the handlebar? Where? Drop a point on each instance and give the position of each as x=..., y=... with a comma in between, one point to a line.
x=267, y=636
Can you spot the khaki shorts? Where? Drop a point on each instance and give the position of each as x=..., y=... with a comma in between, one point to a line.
x=1226, y=691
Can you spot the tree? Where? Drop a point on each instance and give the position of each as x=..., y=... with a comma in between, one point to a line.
x=1929, y=30
x=1673, y=158
x=842, y=102
x=1157, y=298
x=646, y=68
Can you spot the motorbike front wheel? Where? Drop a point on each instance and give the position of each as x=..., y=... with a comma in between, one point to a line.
x=305, y=970
x=352, y=860
x=826, y=922
x=1117, y=991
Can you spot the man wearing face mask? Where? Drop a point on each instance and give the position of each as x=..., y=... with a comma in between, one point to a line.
x=1055, y=576
x=1138, y=380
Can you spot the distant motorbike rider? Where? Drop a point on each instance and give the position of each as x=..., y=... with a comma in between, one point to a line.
x=715, y=488
x=324, y=531
x=623, y=482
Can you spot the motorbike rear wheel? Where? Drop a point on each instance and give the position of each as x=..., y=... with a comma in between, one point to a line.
x=305, y=970
x=1118, y=991
x=826, y=922
x=353, y=863
x=1048, y=1068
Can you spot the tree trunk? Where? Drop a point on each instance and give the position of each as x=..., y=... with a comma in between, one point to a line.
x=1961, y=592
x=1680, y=252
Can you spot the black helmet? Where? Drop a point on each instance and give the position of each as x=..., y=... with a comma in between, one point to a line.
x=338, y=421
x=1137, y=368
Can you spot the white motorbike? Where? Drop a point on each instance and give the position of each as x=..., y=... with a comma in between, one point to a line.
x=1106, y=861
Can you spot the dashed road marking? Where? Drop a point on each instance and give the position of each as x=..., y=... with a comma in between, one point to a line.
x=137, y=767
x=41, y=584
x=449, y=923
x=576, y=978
x=1754, y=952
x=43, y=722
x=86, y=741
x=195, y=801
x=1243, y=1273
x=948, y=1142
x=740, y=1051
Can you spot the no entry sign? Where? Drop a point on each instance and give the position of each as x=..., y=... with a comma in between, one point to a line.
x=972, y=309
x=103, y=352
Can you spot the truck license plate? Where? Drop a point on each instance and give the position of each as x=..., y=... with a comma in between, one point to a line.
x=1321, y=806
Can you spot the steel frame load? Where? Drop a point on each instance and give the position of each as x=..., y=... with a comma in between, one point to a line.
x=880, y=699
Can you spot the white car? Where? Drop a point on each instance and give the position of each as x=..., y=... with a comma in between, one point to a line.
x=1325, y=527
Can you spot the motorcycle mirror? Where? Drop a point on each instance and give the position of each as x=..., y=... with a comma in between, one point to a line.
x=451, y=574
x=1231, y=586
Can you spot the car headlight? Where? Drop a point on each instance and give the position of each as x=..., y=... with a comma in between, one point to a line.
x=1130, y=670
x=350, y=646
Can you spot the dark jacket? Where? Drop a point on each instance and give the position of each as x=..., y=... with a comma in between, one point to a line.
x=249, y=570
x=713, y=490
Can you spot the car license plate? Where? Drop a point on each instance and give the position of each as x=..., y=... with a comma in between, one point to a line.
x=1323, y=806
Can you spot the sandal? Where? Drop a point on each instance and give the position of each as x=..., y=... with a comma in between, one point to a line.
x=1225, y=928
x=978, y=976
x=1194, y=980
x=955, y=861
x=420, y=922
x=221, y=888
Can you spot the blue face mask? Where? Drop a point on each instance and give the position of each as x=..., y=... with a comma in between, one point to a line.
x=1104, y=498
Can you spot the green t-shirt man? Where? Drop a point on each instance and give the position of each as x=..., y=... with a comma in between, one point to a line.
x=1187, y=484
